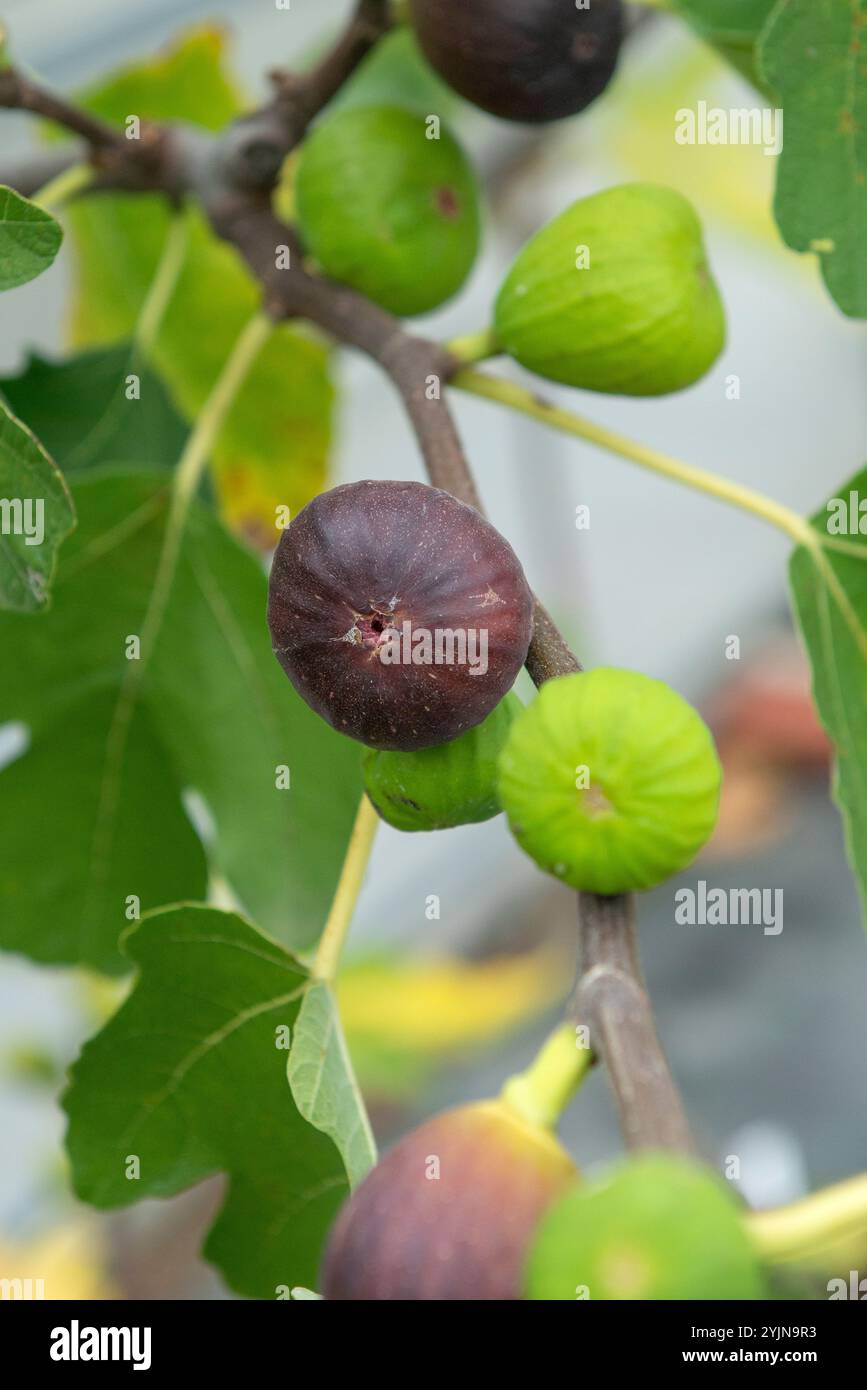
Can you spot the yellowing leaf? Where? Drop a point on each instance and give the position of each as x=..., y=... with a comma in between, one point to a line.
x=68, y=1262
x=440, y=1005
x=273, y=448
x=186, y=81
x=732, y=182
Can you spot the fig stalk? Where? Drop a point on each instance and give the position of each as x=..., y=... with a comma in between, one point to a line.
x=541, y=1093
x=358, y=850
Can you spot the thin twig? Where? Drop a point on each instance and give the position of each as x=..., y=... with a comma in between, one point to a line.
x=19, y=93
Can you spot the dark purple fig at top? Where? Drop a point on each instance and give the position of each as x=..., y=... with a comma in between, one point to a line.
x=398, y=613
x=522, y=60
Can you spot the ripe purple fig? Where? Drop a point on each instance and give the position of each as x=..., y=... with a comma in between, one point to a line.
x=399, y=614
x=522, y=60
x=450, y=1212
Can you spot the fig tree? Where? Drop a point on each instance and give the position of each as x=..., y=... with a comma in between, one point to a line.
x=388, y=203
x=399, y=614
x=610, y=781
x=437, y=788
x=449, y=1213
x=523, y=60
x=615, y=295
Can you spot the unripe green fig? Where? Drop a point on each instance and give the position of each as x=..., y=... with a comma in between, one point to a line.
x=655, y=1227
x=450, y=1211
x=610, y=781
x=615, y=295
x=451, y=784
x=388, y=210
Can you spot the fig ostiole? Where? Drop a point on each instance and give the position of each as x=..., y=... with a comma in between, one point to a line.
x=450, y=1211
x=615, y=295
x=388, y=204
x=522, y=60
x=437, y=788
x=398, y=613
x=610, y=781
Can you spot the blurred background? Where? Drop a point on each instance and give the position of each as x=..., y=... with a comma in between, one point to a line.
x=767, y=1034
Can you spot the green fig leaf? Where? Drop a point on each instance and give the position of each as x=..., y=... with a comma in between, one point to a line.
x=189, y=1078
x=273, y=448
x=654, y=1228
x=732, y=27
x=188, y=80
x=212, y=714
x=83, y=415
x=812, y=55
x=36, y=513
x=29, y=239
x=323, y=1082
x=829, y=593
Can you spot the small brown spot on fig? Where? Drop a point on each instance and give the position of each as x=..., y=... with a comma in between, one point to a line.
x=447, y=202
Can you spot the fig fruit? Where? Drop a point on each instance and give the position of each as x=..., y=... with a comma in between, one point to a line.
x=437, y=788
x=386, y=209
x=615, y=295
x=656, y=1227
x=523, y=60
x=399, y=614
x=450, y=1211
x=610, y=781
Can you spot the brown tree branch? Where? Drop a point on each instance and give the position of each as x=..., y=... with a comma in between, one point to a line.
x=611, y=1000
x=302, y=98
x=19, y=93
x=232, y=177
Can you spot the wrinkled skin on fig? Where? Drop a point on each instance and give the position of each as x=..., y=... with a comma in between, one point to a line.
x=464, y=1235
x=522, y=60
x=360, y=576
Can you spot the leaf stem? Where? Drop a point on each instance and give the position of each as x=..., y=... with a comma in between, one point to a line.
x=804, y=1228
x=64, y=186
x=163, y=284
x=541, y=1093
x=518, y=398
x=191, y=466
x=330, y=949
